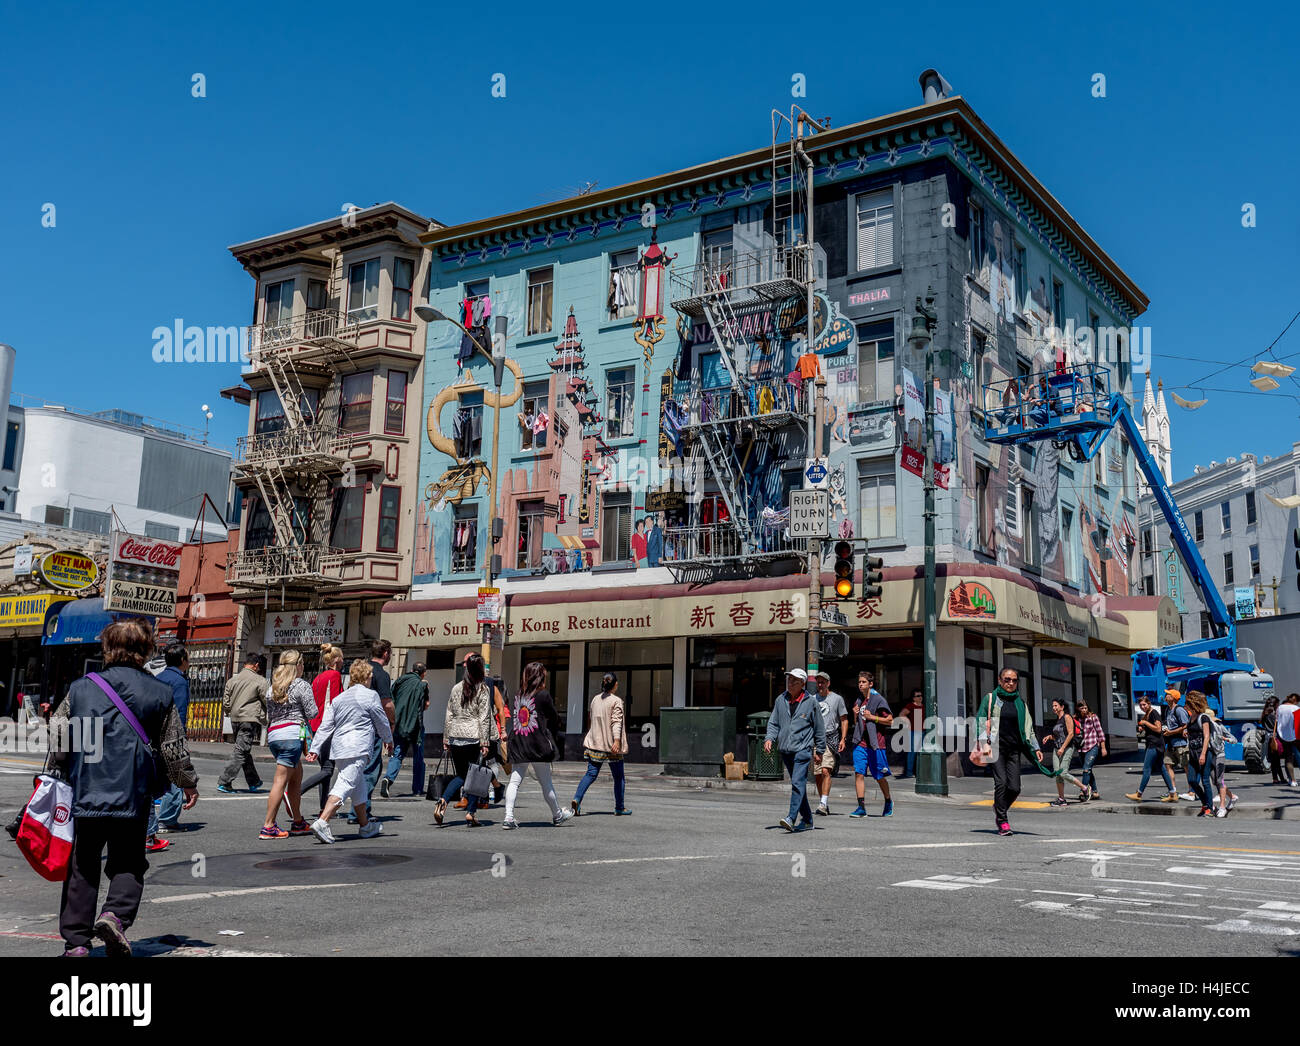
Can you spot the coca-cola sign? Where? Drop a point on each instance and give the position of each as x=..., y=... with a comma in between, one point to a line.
x=151, y=552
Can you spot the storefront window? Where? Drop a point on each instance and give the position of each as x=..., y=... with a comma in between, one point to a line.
x=748, y=673
x=1121, y=700
x=556, y=660
x=981, y=670
x=1020, y=658
x=1058, y=683
x=644, y=670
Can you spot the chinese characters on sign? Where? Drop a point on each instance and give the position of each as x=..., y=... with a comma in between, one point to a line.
x=305, y=627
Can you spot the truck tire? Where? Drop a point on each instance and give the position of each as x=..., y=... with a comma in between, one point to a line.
x=1253, y=751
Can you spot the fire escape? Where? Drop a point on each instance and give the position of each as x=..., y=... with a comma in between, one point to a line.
x=297, y=461
x=742, y=431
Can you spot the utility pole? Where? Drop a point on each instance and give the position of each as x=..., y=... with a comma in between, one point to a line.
x=814, y=544
x=491, y=560
x=932, y=766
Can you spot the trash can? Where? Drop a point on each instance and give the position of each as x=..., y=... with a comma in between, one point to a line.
x=763, y=766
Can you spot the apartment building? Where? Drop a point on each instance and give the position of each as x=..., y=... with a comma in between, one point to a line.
x=328, y=469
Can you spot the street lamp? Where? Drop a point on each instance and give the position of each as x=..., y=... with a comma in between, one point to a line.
x=497, y=357
x=932, y=766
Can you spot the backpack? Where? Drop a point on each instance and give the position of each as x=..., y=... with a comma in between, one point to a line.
x=1219, y=736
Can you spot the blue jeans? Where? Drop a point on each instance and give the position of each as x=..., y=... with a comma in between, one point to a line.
x=1153, y=758
x=461, y=757
x=415, y=746
x=1088, y=778
x=913, y=750
x=593, y=771
x=1199, y=778
x=170, y=811
x=796, y=765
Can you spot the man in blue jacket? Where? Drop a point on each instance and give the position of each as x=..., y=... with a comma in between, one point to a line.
x=796, y=726
x=175, y=675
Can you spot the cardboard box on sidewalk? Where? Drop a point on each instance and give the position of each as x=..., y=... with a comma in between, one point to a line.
x=736, y=771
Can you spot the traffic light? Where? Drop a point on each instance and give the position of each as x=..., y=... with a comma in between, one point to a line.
x=872, y=576
x=843, y=570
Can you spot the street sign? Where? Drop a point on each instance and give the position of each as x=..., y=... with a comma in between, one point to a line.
x=815, y=474
x=834, y=616
x=810, y=514
x=22, y=560
x=489, y=606
x=497, y=637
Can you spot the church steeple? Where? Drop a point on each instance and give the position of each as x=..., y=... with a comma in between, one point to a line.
x=1155, y=429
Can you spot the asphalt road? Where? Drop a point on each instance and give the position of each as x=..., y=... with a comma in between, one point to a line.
x=698, y=872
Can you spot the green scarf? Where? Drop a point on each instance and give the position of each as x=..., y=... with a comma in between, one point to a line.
x=990, y=724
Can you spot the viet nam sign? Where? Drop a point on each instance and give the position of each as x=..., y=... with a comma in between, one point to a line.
x=143, y=575
x=68, y=571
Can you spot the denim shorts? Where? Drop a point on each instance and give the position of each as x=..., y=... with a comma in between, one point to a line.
x=287, y=753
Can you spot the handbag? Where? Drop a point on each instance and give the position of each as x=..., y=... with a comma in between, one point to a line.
x=440, y=779
x=159, y=784
x=478, y=780
x=45, y=833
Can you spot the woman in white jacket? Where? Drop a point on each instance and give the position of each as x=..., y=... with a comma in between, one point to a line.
x=350, y=724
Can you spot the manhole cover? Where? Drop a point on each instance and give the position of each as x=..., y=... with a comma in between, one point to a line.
x=329, y=865
x=311, y=862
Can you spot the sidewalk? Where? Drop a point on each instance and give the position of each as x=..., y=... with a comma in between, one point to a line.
x=1120, y=774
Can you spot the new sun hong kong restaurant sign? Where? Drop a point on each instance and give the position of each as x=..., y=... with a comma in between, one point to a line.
x=143, y=575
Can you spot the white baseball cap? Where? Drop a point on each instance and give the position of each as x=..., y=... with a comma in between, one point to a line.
x=798, y=673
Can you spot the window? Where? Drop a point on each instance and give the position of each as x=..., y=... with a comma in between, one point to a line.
x=1205, y=624
x=363, y=291
x=395, y=404
x=1200, y=526
x=1103, y=554
x=1071, y=553
x=623, y=285
x=317, y=295
x=403, y=277
x=390, y=507
x=1058, y=302
x=528, y=547
x=541, y=287
x=354, y=406
x=1094, y=323
x=1149, y=585
x=616, y=528
x=270, y=410
x=978, y=238
x=985, y=521
x=349, y=517
x=11, y=446
x=716, y=249
x=1228, y=575
x=1250, y=497
x=875, y=229
x=1099, y=466
x=875, y=361
x=1254, y=561
x=1121, y=704
x=56, y=515
x=91, y=522
x=464, y=540
x=537, y=400
x=279, y=303
x=1028, y=526
x=259, y=533
x=161, y=530
x=1225, y=510
x=1057, y=671
x=1018, y=272
x=878, y=499
x=619, y=402
x=1123, y=464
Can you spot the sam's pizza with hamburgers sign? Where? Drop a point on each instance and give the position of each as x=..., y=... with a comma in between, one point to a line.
x=143, y=575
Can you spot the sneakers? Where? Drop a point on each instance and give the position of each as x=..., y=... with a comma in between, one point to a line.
x=321, y=830
x=1205, y=812
x=564, y=815
x=1059, y=801
x=108, y=928
x=371, y=829
x=888, y=811
x=384, y=786
x=1083, y=796
x=225, y=789
x=155, y=844
x=509, y=823
x=256, y=788
x=300, y=828
x=1135, y=796
x=623, y=813
x=272, y=831
x=1004, y=828
x=804, y=826
x=1172, y=797
x=822, y=809
x=1232, y=801
x=167, y=826
x=1189, y=796
x=76, y=953
x=859, y=812
x=439, y=808
x=1096, y=794
x=1221, y=812
x=787, y=824
x=576, y=807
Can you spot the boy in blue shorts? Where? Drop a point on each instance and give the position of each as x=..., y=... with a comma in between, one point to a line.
x=871, y=717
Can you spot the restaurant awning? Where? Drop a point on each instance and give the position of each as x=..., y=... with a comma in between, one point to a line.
x=79, y=621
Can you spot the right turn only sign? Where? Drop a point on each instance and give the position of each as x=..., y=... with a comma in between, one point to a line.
x=810, y=514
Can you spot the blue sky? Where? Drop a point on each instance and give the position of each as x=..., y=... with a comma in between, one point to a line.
x=311, y=106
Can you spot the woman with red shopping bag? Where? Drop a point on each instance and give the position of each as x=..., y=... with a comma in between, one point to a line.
x=114, y=785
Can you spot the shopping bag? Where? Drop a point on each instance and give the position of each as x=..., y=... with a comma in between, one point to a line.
x=442, y=775
x=478, y=780
x=45, y=834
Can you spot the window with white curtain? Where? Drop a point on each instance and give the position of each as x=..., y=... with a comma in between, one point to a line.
x=363, y=291
x=623, y=287
x=877, y=499
x=875, y=229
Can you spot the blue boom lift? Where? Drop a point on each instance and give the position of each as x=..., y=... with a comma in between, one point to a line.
x=1075, y=409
